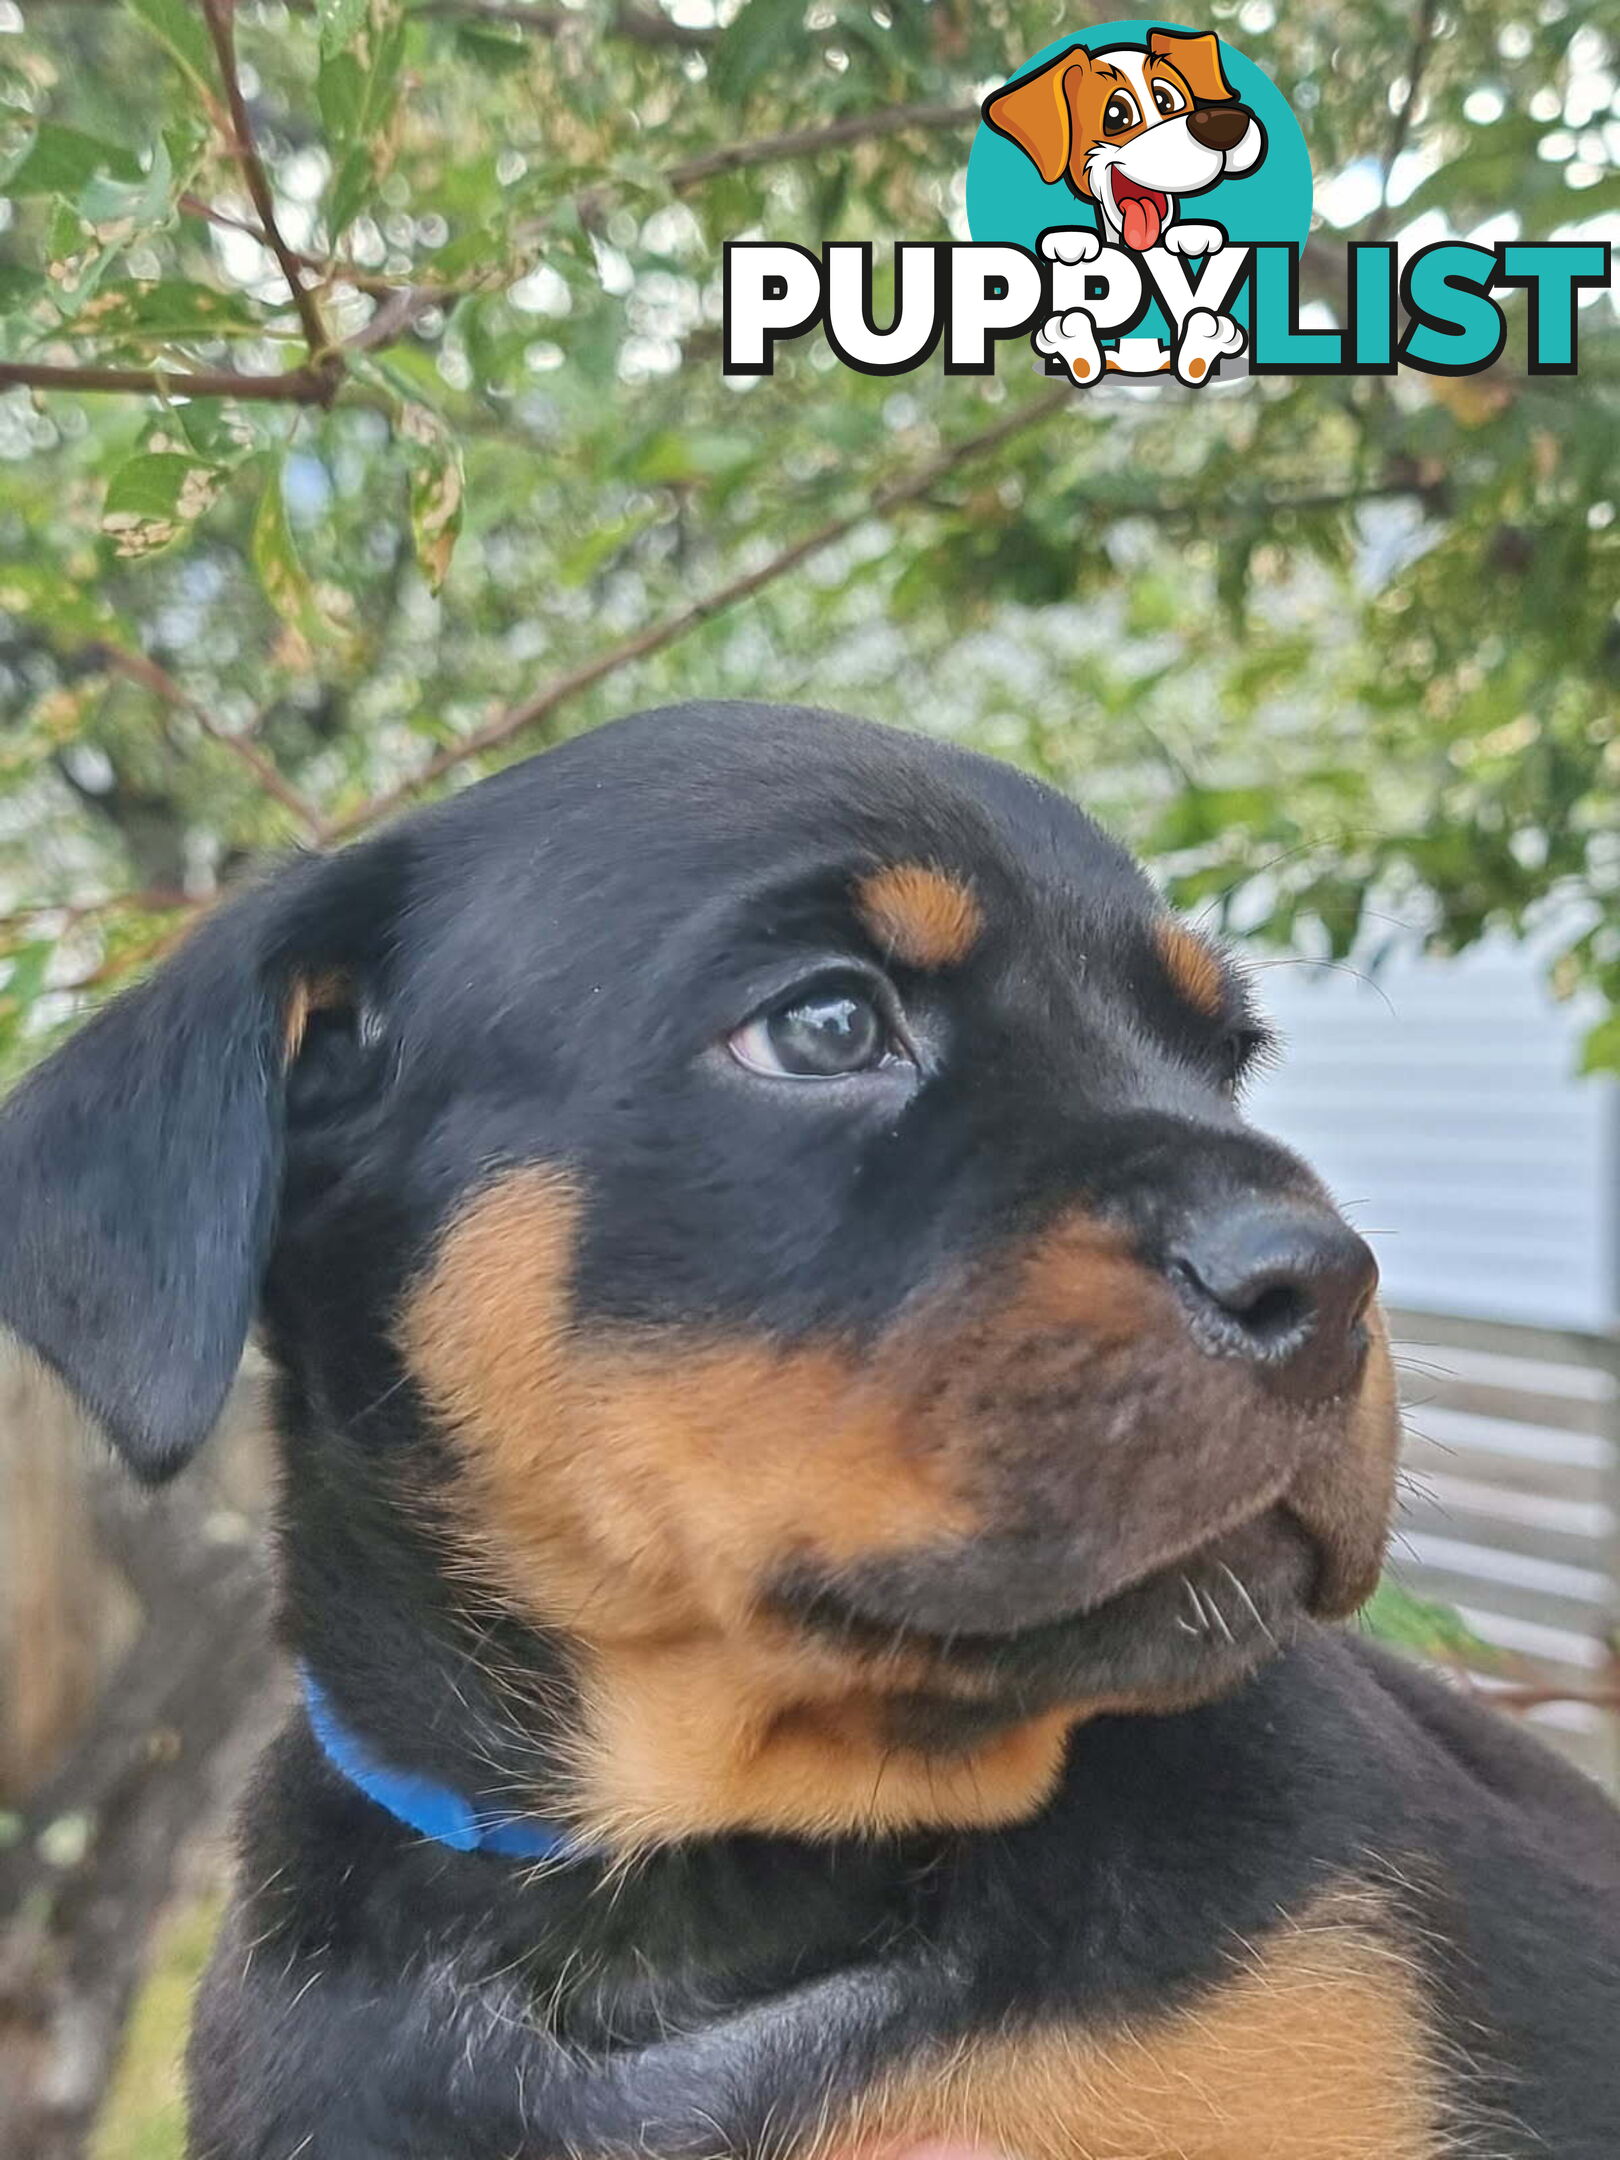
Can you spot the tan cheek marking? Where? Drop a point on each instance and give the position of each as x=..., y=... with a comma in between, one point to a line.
x=925, y=918
x=1346, y=1499
x=1316, y=2050
x=1192, y=965
x=634, y=1495
x=684, y=1470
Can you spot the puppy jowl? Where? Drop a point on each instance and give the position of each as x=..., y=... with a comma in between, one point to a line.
x=1139, y=194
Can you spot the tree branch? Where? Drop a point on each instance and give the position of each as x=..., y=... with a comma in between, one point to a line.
x=808, y=142
x=299, y=386
x=219, y=16
x=1423, y=37
x=335, y=269
x=150, y=900
x=1535, y=1695
x=519, y=718
x=637, y=25
x=140, y=669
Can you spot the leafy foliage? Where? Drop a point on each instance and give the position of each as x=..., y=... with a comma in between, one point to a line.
x=1331, y=651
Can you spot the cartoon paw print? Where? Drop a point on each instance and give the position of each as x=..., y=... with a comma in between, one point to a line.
x=1072, y=338
x=1205, y=339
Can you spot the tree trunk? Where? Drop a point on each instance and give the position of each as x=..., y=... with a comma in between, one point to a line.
x=124, y=1777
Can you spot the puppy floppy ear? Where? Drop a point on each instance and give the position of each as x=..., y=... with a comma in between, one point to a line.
x=1035, y=113
x=141, y=1167
x=1196, y=56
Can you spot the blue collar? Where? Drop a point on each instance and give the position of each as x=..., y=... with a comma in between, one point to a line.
x=431, y=1809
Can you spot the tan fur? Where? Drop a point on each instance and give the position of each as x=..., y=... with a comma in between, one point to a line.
x=1315, y=2049
x=1056, y=116
x=325, y=992
x=1193, y=966
x=699, y=1738
x=630, y=1494
x=1194, y=56
x=920, y=915
x=637, y=1488
x=1037, y=115
x=1345, y=1497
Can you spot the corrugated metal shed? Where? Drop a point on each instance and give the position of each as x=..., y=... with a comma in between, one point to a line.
x=1441, y=1103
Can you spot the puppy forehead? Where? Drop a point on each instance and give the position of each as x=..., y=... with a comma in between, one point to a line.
x=606, y=846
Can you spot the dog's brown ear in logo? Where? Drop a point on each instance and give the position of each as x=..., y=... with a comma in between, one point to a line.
x=1037, y=115
x=1196, y=57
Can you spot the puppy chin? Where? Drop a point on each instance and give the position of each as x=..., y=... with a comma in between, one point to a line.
x=1179, y=1636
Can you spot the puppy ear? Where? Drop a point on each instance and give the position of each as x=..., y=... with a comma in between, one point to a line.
x=141, y=1166
x=1035, y=114
x=1196, y=56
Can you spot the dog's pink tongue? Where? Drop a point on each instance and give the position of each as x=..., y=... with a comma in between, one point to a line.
x=1142, y=222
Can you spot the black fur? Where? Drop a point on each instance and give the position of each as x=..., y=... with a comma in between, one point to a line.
x=541, y=970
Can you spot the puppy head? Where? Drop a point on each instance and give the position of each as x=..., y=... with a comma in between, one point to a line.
x=1132, y=128
x=765, y=1197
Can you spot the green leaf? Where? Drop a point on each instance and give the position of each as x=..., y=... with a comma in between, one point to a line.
x=21, y=989
x=760, y=35
x=44, y=593
x=62, y=161
x=117, y=209
x=497, y=48
x=1397, y=1615
x=275, y=556
x=179, y=28
x=340, y=23
x=154, y=500
x=1600, y=1052
x=703, y=454
x=313, y=613
x=76, y=261
x=168, y=309
x=356, y=88
x=437, y=488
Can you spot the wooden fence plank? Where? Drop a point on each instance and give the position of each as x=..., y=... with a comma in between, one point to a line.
x=1510, y=1509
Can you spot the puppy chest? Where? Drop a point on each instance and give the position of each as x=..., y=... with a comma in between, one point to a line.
x=1315, y=2050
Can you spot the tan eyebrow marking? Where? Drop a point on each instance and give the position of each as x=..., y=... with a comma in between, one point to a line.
x=1193, y=966
x=327, y=991
x=921, y=915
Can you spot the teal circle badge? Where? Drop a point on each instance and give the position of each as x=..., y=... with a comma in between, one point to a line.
x=1133, y=129
x=1133, y=145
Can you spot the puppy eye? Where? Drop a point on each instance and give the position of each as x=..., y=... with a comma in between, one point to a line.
x=1243, y=1049
x=1167, y=97
x=824, y=1033
x=1119, y=114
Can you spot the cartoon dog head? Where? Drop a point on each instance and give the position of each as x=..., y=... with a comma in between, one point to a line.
x=1133, y=128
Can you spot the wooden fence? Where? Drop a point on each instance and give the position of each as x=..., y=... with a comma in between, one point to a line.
x=1511, y=1513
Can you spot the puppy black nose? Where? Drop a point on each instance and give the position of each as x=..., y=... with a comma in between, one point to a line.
x=1283, y=1283
x=1218, y=127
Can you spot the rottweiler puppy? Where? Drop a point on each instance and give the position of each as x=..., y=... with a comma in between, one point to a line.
x=820, y=1456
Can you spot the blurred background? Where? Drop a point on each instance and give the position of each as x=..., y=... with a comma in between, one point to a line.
x=362, y=426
